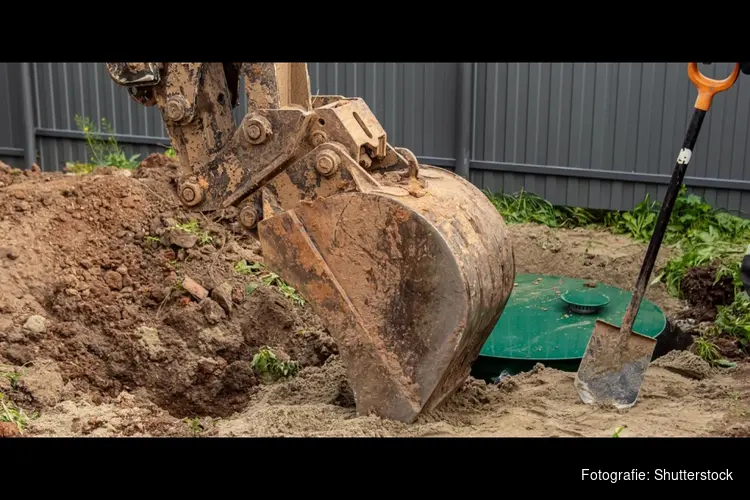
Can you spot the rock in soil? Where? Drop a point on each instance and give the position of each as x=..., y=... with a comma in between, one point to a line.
x=36, y=324
x=42, y=382
x=194, y=288
x=9, y=253
x=113, y=279
x=222, y=294
x=8, y=429
x=180, y=238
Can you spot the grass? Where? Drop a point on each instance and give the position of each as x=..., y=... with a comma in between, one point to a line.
x=704, y=237
x=734, y=319
x=706, y=349
x=268, y=278
x=270, y=367
x=11, y=413
x=617, y=432
x=102, y=152
x=524, y=207
x=10, y=373
x=195, y=425
x=193, y=227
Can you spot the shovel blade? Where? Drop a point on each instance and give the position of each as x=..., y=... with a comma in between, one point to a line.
x=612, y=371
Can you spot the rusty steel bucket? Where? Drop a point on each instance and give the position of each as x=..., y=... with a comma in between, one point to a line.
x=410, y=287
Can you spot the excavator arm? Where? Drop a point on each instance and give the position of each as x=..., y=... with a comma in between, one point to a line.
x=409, y=266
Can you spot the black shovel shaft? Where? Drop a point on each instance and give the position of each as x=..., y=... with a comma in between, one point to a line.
x=675, y=184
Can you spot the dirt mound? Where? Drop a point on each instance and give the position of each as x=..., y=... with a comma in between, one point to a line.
x=10, y=175
x=685, y=363
x=109, y=279
x=704, y=293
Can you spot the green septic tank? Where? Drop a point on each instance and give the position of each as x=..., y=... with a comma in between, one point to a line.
x=549, y=320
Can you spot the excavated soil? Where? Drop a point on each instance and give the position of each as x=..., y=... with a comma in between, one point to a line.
x=114, y=323
x=704, y=293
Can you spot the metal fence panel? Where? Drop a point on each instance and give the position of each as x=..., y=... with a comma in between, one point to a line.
x=598, y=135
x=11, y=128
x=414, y=102
x=605, y=134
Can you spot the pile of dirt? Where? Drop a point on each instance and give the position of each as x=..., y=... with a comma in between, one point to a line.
x=685, y=363
x=704, y=292
x=10, y=175
x=98, y=276
x=123, y=315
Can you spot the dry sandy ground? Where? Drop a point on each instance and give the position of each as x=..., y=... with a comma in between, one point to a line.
x=538, y=403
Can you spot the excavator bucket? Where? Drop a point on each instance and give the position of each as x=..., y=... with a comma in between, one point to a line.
x=410, y=288
x=408, y=266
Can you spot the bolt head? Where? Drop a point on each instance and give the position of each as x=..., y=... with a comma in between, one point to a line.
x=325, y=165
x=248, y=218
x=318, y=138
x=188, y=194
x=191, y=194
x=327, y=162
x=256, y=129
x=253, y=131
x=175, y=109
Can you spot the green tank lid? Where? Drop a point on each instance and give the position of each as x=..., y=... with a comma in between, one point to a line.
x=539, y=322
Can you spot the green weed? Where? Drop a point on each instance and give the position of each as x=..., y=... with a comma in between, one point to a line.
x=195, y=425
x=638, y=223
x=11, y=413
x=268, y=278
x=525, y=207
x=80, y=168
x=170, y=153
x=693, y=222
x=10, y=373
x=703, y=236
x=706, y=349
x=271, y=368
x=731, y=270
x=734, y=319
x=103, y=152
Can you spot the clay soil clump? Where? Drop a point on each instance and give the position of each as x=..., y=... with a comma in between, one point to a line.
x=703, y=292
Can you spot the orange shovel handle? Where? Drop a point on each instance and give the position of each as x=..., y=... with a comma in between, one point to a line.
x=708, y=87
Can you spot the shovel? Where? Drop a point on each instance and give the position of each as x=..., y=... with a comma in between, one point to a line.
x=616, y=358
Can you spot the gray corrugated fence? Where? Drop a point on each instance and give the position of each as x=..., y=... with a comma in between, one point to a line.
x=596, y=135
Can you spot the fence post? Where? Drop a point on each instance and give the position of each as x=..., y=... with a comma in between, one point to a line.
x=463, y=119
x=28, y=117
